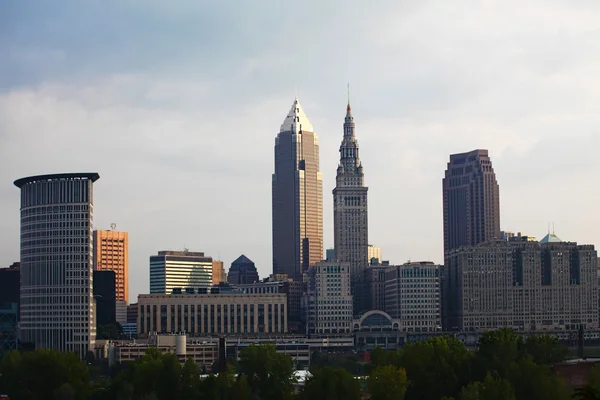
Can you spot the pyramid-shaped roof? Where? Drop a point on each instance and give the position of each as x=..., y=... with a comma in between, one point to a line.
x=550, y=238
x=296, y=120
x=243, y=260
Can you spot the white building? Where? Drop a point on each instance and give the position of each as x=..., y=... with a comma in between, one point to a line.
x=57, y=305
x=412, y=295
x=328, y=302
x=179, y=270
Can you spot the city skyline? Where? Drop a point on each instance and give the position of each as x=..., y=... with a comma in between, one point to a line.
x=521, y=84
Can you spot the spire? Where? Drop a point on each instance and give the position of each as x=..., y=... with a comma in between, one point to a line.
x=296, y=119
x=348, y=108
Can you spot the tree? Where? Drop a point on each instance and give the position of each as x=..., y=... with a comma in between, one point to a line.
x=269, y=374
x=45, y=375
x=224, y=386
x=532, y=381
x=490, y=389
x=590, y=391
x=497, y=350
x=331, y=384
x=387, y=383
x=436, y=367
x=544, y=349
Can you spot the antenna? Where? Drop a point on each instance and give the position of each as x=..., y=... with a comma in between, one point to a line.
x=296, y=90
x=348, y=93
x=553, y=228
x=113, y=226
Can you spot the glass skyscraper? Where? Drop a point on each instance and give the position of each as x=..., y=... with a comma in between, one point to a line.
x=57, y=304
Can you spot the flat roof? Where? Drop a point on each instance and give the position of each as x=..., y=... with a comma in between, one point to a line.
x=93, y=176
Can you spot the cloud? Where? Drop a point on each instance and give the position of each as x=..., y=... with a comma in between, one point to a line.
x=177, y=105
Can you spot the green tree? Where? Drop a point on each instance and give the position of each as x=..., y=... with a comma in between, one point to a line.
x=269, y=374
x=544, y=349
x=331, y=384
x=436, y=367
x=387, y=383
x=490, y=389
x=532, y=381
x=224, y=386
x=497, y=350
x=45, y=375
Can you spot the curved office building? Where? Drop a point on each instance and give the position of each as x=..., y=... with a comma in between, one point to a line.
x=57, y=306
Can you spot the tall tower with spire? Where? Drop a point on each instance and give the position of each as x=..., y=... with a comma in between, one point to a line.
x=350, y=212
x=297, y=197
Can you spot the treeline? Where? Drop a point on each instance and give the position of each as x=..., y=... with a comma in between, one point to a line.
x=504, y=367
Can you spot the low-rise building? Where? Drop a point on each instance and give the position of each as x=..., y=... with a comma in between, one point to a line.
x=201, y=314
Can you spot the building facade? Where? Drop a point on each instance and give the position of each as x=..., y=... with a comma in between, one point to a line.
x=375, y=286
x=179, y=270
x=203, y=314
x=57, y=305
x=281, y=284
x=105, y=294
x=350, y=213
x=529, y=286
x=242, y=271
x=328, y=301
x=218, y=272
x=111, y=252
x=471, y=200
x=297, y=197
x=374, y=254
x=10, y=283
x=413, y=296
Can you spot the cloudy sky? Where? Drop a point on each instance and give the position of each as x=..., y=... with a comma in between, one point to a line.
x=176, y=105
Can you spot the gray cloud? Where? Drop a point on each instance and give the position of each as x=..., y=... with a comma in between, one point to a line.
x=177, y=107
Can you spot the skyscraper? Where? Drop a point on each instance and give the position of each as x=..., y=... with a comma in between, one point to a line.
x=179, y=270
x=471, y=200
x=57, y=305
x=111, y=253
x=350, y=215
x=297, y=197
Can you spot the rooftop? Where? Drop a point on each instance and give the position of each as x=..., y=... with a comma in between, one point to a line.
x=93, y=176
x=296, y=120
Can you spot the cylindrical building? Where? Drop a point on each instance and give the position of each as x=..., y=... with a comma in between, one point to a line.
x=57, y=306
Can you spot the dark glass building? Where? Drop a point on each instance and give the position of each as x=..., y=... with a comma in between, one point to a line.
x=56, y=261
x=242, y=271
x=105, y=293
x=10, y=282
x=471, y=200
x=297, y=197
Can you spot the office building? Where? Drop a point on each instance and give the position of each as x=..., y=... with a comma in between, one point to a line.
x=202, y=314
x=105, y=294
x=10, y=282
x=179, y=270
x=471, y=200
x=132, y=313
x=350, y=212
x=374, y=254
x=57, y=307
x=297, y=197
x=121, y=312
x=281, y=284
x=375, y=286
x=330, y=254
x=218, y=272
x=413, y=296
x=328, y=301
x=549, y=285
x=242, y=271
x=111, y=252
